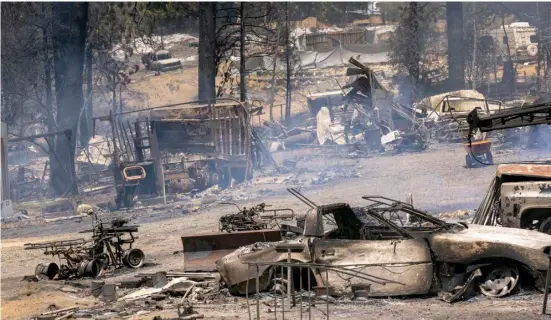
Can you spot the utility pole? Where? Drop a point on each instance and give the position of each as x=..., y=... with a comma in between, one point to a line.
x=242, y=70
x=288, y=53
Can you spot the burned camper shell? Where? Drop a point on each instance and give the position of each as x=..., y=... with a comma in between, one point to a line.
x=186, y=147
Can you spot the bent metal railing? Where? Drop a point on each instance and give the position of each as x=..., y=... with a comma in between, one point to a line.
x=323, y=291
x=291, y=294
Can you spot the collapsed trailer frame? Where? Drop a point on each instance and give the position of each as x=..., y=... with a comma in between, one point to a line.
x=186, y=146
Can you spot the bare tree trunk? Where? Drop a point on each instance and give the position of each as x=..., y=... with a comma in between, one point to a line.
x=508, y=78
x=114, y=92
x=548, y=52
x=274, y=62
x=288, y=59
x=473, y=67
x=207, y=51
x=456, y=60
x=48, y=86
x=538, y=68
x=86, y=120
x=48, y=77
x=242, y=70
x=413, y=68
x=69, y=37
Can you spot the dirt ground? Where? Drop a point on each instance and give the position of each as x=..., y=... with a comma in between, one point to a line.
x=437, y=179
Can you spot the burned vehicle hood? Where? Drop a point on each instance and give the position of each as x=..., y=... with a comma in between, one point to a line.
x=234, y=268
x=477, y=243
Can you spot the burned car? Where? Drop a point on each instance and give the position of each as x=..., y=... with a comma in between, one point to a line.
x=396, y=250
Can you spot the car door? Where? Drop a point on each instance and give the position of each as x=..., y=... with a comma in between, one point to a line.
x=389, y=267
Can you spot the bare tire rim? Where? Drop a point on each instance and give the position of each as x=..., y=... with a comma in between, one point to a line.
x=500, y=281
x=135, y=258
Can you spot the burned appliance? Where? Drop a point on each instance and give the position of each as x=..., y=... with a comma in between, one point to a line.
x=254, y=218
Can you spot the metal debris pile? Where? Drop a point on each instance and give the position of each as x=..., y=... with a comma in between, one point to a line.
x=146, y=293
x=109, y=247
x=254, y=218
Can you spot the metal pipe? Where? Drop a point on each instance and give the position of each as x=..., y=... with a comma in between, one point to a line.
x=309, y=296
x=546, y=292
x=327, y=291
x=247, y=291
x=257, y=293
x=275, y=306
x=282, y=299
x=289, y=275
x=300, y=291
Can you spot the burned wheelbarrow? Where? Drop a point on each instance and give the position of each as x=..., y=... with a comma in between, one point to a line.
x=478, y=153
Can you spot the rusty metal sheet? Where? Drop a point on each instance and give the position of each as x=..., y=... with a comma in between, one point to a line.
x=528, y=170
x=201, y=251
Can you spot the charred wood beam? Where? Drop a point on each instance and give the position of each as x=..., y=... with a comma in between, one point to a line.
x=67, y=133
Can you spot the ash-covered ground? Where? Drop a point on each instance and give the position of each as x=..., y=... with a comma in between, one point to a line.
x=437, y=179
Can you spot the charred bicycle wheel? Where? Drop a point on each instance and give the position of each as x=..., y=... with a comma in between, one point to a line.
x=133, y=258
x=500, y=280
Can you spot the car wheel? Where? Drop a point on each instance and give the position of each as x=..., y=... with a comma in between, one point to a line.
x=545, y=226
x=499, y=280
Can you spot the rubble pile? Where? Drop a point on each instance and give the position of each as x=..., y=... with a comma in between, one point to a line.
x=147, y=293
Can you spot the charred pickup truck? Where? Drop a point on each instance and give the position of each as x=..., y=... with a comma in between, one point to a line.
x=520, y=194
x=396, y=250
x=161, y=61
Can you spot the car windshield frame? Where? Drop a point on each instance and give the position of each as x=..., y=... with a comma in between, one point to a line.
x=381, y=203
x=401, y=231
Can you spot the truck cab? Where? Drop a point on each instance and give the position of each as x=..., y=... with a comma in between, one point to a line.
x=525, y=196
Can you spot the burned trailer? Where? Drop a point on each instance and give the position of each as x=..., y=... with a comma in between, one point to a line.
x=181, y=148
x=207, y=144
